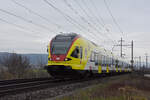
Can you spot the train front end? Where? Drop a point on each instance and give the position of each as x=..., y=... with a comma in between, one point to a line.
x=63, y=60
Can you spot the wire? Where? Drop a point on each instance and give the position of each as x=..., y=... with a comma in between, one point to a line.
x=97, y=20
x=114, y=20
x=93, y=14
x=37, y=14
x=99, y=16
x=67, y=17
x=87, y=16
x=102, y=20
x=24, y=19
x=83, y=10
x=18, y=26
x=64, y=15
x=104, y=35
x=76, y=12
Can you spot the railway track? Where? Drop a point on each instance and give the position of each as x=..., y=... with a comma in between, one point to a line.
x=11, y=87
x=5, y=82
x=45, y=88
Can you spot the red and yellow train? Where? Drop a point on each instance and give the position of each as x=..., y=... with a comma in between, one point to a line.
x=72, y=55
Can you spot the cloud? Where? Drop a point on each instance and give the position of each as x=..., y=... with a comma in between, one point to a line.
x=131, y=15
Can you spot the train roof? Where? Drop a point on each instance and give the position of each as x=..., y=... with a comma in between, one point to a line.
x=67, y=37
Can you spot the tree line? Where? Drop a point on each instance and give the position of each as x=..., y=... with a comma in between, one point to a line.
x=15, y=66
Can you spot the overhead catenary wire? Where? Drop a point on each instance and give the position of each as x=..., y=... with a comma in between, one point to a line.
x=76, y=1
x=21, y=27
x=85, y=12
x=63, y=14
x=87, y=16
x=102, y=20
x=68, y=18
x=113, y=18
x=83, y=19
x=71, y=20
x=26, y=20
x=98, y=14
x=35, y=13
x=93, y=14
x=88, y=31
x=97, y=19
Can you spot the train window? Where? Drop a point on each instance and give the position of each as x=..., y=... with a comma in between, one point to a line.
x=110, y=61
x=75, y=53
x=47, y=48
x=99, y=59
x=96, y=58
x=122, y=64
x=117, y=61
x=58, y=48
x=85, y=52
x=88, y=47
x=92, y=57
x=103, y=60
x=106, y=60
x=113, y=61
x=81, y=52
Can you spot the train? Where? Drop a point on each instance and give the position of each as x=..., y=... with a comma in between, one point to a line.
x=71, y=55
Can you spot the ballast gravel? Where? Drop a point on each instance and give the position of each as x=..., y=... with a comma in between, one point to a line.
x=51, y=93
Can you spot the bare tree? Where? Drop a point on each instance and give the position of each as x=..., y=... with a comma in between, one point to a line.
x=40, y=62
x=16, y=65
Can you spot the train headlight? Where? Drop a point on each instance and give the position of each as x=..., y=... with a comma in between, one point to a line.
x=49, y=59
x=67, y=59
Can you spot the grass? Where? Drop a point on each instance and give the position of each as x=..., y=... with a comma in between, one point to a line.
x=126, y=87
x=29, y=73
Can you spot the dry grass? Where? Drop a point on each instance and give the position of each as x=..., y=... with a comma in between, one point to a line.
x=30, y=73
x=123, y=88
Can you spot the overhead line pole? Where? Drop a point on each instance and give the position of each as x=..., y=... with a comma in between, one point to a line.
x=140, y=61
x=146, y=60
x=121, y=45
x=132, y=61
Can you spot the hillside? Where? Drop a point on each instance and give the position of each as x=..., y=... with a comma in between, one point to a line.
x=35, y=59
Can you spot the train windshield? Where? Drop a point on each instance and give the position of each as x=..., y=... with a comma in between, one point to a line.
x=60, y=47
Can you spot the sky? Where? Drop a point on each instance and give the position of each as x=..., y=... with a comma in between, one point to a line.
x=27, y=26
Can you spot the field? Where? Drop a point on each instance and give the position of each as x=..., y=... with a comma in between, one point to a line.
x=126, y=87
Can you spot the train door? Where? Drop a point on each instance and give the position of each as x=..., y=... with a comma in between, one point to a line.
x=104, y=63
x=81, y=54
x=95, y=62
x=99, y=63
x=92, y=61
x=96, y=59
x=75, y=56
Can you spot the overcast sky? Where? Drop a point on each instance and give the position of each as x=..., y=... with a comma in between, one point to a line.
x=27, y=26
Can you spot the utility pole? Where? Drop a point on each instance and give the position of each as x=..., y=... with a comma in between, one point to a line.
x=132, y=61
x=131, y=45
x=146, y=60
x=121, y=41
x=140, y=61
x=121, y=47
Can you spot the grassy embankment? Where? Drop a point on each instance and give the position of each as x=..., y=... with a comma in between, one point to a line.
x=29, y=73
x=126, y=87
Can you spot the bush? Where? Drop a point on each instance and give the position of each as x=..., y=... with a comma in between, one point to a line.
x=16, y=67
